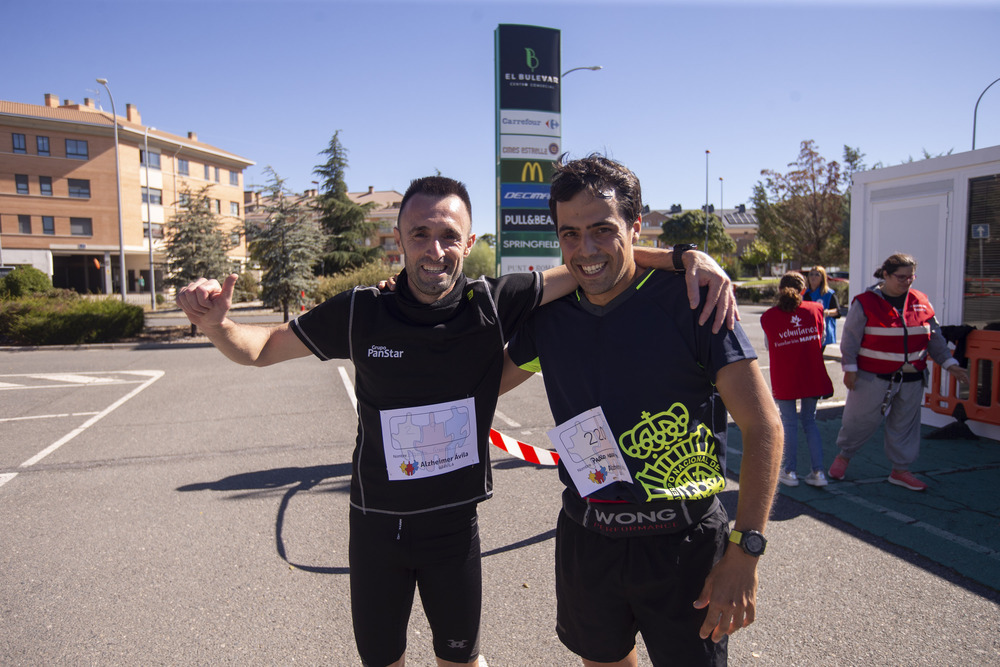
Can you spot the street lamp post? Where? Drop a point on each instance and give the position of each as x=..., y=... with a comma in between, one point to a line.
x=722, y=207
x=118, y=178
x=976, y=112
x=590, y=67
x=706, y=201
x=149, y=222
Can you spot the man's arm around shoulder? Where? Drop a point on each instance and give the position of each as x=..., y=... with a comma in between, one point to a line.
x=730, y=589
x=206, y=304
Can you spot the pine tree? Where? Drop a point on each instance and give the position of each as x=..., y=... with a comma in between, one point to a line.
x=345, y=223
x=196, y=244
x=286, y=245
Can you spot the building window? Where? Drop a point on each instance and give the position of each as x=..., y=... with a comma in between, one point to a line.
x=48, y=224
x=157, y=230
x=216, y=206
x=234, y=178
x=21, y=181
x=19, y=145
x=81, y=227
x=79, y=188
x=154, y=160
x=184, y=199
x=216, y=174
x=183, y=167
x=234, y=238
x=208, y=173
x=43, y=145
x=77, y=149
x=45, y=185
x=234, y=209
x=24, y=224
x=152, y=196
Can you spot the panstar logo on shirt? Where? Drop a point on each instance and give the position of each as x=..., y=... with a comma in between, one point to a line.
x=383, y=352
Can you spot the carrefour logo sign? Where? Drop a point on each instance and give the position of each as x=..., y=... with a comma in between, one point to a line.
x=524, y=195
x=543, y=123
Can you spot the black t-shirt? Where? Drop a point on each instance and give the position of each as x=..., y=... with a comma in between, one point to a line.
x=407, y=356
x=647, y=363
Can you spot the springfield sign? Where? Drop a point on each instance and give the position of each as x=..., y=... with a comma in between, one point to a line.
x=529, y=133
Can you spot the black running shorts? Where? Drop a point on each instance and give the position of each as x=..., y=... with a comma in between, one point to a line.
x=439, y=553
x=610, y=588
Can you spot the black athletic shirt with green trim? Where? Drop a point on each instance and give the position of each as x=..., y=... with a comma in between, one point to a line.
x=645, y=360
x=408, y=354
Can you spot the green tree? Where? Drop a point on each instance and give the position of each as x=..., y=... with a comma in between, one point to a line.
x=488, y=239
x=344, y=222
x=196, y=244
x=482, y=260
x=689, y=227
x=286, y=245
x=801, y=212
x=755, y=254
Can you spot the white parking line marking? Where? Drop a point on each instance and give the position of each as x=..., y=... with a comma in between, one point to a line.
x=349, y=386
x=152, y=376
x=6, y=477
x=507, y=420
x=71, y=378
x=67, y=414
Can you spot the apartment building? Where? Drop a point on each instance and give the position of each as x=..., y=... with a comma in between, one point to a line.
x=59, y=193
x=739, y=223
x=383, y=214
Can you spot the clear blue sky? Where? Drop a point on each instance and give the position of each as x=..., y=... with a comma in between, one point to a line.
x=410, y=84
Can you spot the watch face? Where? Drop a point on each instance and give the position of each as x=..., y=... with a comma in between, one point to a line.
x=754, y=543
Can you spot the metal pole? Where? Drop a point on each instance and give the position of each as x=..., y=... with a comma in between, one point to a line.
x=722, y=207
x=590, y=67
x=118, y=174
x=976, y=112
x=149, y=224
x=706, y=201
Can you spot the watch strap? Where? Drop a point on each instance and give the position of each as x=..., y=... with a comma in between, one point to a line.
x=677, y=255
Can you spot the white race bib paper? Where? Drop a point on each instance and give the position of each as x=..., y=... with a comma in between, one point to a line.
x=428, y=440
x=588, y=449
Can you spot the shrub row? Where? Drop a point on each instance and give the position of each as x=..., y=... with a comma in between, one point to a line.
x=369, y=274
x=62, y=317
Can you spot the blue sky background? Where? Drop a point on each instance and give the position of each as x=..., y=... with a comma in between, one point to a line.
x=410, y=84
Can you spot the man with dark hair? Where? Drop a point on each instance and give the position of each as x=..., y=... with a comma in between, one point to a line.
x=642, y=542
x=421, y=463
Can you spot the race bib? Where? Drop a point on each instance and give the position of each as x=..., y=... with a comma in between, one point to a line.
x=588, y=449
x=429, y=440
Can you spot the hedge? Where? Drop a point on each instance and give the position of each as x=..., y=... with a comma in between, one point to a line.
x=67, y=320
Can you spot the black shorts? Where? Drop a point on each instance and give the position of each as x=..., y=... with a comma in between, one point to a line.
x=610, y=588
x=389, y=556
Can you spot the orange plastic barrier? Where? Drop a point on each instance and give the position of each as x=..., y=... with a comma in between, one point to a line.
x=981, y=400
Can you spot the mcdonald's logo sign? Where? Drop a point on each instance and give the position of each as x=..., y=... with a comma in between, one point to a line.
x=532, y=171
x=525, y=171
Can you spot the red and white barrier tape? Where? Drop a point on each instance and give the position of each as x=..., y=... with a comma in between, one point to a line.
x=529, y=453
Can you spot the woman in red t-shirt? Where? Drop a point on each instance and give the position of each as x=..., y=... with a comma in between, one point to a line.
x=795, y=332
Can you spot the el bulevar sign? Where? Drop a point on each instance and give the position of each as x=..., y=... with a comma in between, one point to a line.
x=528, y=140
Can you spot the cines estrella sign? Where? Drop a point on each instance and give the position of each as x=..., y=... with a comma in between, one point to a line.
x=528, y=141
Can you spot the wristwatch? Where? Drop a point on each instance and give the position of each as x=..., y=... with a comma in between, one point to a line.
x=679, y=250
x=751, y=541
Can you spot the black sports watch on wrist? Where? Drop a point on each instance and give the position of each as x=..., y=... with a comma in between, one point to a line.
x=751, y=541
x=678, y=251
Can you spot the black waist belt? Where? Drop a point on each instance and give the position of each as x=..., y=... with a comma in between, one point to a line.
x=916, y=376
x=636, y=519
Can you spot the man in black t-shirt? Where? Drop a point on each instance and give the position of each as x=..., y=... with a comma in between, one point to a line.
x=641, y=541
x=421, y=463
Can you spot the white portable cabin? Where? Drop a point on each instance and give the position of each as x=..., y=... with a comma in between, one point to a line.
x=945, y=211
